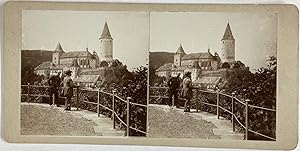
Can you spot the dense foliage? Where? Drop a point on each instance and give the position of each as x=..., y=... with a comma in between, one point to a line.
x=260, y=89
x=126, y=84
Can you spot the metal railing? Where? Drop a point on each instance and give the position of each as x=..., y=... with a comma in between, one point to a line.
x=234, y=102
x=29, y=91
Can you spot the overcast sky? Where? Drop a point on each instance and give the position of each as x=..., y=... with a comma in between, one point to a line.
x=78, y=29
x=254, y=33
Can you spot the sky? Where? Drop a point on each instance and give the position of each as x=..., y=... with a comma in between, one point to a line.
x=255, y=34
x=135, y=33
x=76, y=30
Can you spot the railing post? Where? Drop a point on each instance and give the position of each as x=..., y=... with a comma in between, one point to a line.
x=232, y=111
x=196, y=100
x=173, y=99
x=128, y=116
x=98, y=102
x=77, y=97
x=218, y=99
x=28, y=92
x=246, y=119
x=113, y=108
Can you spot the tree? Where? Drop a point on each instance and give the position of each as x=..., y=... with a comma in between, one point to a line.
x=103, y=64
x=129, y=84
x=225, y=65
x=116, y=63
x=155, y=79
x=260, y=88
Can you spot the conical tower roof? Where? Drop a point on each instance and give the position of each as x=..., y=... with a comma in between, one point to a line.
x=228, y=34
x=105, y=32
x=180, y=50
x=59, y=48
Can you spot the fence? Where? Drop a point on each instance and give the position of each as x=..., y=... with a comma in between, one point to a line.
x=161, y=92
x=86, y=96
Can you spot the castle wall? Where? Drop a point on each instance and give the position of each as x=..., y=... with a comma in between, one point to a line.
x=66, y=60
x=55, y=58
x=93, y=63
x=214, y=65
x=177, y=60
x=85, y=62
x=42, y=72
x=194, y=73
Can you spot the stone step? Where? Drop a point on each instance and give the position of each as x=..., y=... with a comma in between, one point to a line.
x=232, y=137
x=113, y=133
x=225, y=131
x=102, y=128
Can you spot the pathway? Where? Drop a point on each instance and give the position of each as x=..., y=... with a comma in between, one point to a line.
x=173, y=122
x=103, y=125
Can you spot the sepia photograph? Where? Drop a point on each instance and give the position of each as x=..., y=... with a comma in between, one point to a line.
x=212, y=75
x=78, y=74
x=151, y=75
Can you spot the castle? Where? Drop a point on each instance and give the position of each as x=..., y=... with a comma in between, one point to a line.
x=202, y=63
x=87, y=68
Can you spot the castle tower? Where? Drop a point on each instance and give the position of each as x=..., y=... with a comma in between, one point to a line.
x=178, y=56
x=74, y=68
x=228, y=46
x=56, y=54
x=106, y=45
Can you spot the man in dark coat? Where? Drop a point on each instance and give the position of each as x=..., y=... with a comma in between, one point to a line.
x=173, y=85
x=54, y=82
x=187, y=92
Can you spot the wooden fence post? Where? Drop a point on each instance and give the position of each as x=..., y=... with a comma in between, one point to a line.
x=232, y=111
x=218, y=99
x=28, y=92
x=128, y=116
x=246, y=119
x=98, y=102
x=77, y=97
x=113, y=108
x=196, y=100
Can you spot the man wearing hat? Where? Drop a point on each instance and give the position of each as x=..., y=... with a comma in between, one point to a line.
x=187, y=93
x=54, y=83
x=173, y=84
x=68, y=89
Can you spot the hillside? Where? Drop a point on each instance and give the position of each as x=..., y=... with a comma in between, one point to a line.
x=157, y=59
x=29, y=60
x=32, y=58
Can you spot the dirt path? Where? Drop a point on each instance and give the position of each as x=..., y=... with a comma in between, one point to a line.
x=38, y=120
x=166, y=122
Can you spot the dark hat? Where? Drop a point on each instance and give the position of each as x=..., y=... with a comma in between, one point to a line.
x=68, y=72
x=188, y=73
